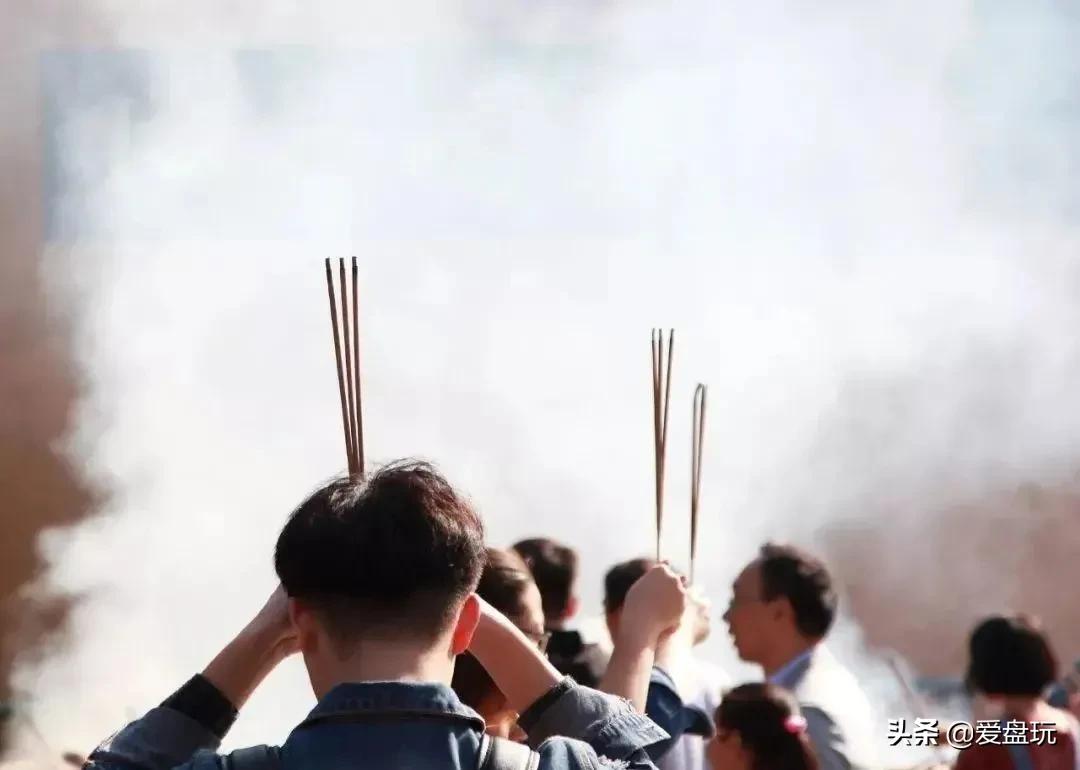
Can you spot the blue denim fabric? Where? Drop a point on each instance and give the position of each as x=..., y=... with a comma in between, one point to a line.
x=664, y=707
x=384, y=725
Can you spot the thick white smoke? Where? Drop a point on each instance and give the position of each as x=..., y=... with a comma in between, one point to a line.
x=817, y=196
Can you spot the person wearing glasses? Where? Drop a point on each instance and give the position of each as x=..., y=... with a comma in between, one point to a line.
x=782, y=606
x=554, y=567
x=506, y=585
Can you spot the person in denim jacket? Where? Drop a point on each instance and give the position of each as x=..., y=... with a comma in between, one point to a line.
x=377, y=594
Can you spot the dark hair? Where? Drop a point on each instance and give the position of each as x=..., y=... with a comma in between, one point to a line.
x=620, y=578
x=503, y=584
x=393, y=555
x=791, y=573
x=1010, y=656
x=554, y=567
x=769, y=725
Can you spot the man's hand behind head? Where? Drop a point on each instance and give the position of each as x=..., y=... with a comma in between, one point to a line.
x=273, y=624
x=266, y=640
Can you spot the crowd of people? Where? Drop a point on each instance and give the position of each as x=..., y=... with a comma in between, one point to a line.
x=427, y=648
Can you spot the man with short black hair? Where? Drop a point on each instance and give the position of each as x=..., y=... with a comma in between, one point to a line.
x=782, y=606
x=377, y=593
x=619, y=579
x=554, y=567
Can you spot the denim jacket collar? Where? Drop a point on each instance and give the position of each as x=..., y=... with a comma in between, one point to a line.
x=393, y=697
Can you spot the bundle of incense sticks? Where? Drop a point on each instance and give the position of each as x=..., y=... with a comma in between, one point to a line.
x=697, y=445
x=661, y=380
x=352, y=419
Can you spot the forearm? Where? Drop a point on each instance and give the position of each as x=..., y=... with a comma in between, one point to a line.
x=242, y=665
x=199, y=714
x=195, y=717
x=521, y=672
x=630, y=667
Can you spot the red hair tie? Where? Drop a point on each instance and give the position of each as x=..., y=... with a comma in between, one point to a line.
x=795, y=724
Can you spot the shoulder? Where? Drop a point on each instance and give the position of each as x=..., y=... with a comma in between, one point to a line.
x=1066, y=723
x=989, y=756
x=839, y=716
x=1066, y=734
x=585, y=661
x=827, y=681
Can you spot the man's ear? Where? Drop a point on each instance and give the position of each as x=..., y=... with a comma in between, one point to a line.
x=572, y=607
x=304, y=621
x=781, y=609
x=467, y=620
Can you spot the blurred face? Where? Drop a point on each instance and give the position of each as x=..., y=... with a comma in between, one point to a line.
x=751, y=620
x=725, y=751
x=532, y=618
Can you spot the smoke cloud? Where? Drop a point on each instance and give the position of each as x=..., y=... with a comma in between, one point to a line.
x=860, y=221
x=39, y=388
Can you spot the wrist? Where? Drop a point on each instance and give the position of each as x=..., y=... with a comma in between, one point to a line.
x=242, y=665
x=263, y=644
x=638, y=633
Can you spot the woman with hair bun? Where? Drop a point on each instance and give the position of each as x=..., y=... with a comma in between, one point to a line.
x=759, y=727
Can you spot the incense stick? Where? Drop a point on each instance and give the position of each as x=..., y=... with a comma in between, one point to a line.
x=661, y=371
x=340, y=372
x=358, y=443
x=656, y=436
x=348, y=366
x=697, y=445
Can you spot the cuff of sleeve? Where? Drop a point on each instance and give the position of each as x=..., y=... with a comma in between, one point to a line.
x=660, y=676
x=530, y=716
x=609, y=724
x=200, y=700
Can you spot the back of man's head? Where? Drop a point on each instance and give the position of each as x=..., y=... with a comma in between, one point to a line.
x=793, y=574
x=620, y=578
x=554, y=567
x=392, y=556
